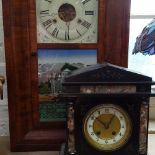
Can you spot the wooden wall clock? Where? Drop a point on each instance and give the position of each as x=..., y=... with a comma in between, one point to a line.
x=35, y=25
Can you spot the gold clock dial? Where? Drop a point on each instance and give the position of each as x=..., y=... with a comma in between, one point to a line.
x=107, y=127
x=67, y=21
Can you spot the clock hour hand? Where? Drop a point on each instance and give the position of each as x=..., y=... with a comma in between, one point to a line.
x=102, y=123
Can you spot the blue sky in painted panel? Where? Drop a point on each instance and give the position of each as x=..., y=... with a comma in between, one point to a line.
x=71, y=56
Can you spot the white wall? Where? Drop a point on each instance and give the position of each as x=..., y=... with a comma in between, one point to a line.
x=4, y=129
x=152, y=108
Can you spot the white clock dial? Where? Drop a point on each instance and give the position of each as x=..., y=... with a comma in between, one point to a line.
x=107, y=127
x=67, y=21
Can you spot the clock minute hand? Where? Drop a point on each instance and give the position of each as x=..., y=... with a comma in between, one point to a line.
x=108, y=124
x=67, y=34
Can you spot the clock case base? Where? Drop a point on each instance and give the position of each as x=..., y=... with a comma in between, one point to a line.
x=63, y=151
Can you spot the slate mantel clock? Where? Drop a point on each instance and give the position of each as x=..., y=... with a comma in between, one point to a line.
x=108, y=109
x=32, y=25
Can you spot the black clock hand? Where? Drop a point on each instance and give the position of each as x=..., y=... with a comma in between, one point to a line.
x=108, y=124
x=102, y=123
x=67, y=34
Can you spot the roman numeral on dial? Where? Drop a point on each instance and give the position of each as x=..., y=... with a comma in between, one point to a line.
x=89, y=12
x=50, y=1
x=44, y=12
x=66, y=36
x=47, y=23
x=85, y=1
x=78, y=32
x=86, y=24
x=55, y=32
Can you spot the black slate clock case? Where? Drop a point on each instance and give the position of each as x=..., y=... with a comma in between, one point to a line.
x=109, y=84
x=85, y=104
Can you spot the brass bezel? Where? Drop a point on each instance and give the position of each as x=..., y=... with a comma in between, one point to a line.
x=108, y=147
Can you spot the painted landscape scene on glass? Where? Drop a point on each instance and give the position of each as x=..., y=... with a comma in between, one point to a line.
x=53, y=67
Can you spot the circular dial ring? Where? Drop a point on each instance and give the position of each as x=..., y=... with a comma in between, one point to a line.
x=107, y=127
x=67, y=21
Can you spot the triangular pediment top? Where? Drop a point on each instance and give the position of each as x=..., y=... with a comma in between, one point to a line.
x=105, y=72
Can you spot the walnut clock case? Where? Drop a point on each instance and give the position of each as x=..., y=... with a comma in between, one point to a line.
x=32, y=25
x=107, y=112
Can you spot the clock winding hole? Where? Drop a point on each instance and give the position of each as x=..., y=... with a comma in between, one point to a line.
x=98, y=133
x=114, y=133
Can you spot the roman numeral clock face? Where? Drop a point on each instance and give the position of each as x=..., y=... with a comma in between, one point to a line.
x=67, y=21
x=107, y=127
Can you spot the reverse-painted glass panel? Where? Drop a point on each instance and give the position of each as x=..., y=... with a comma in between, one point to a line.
x=53, y=67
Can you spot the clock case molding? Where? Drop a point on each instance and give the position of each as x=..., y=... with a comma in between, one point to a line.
x=26, y=131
